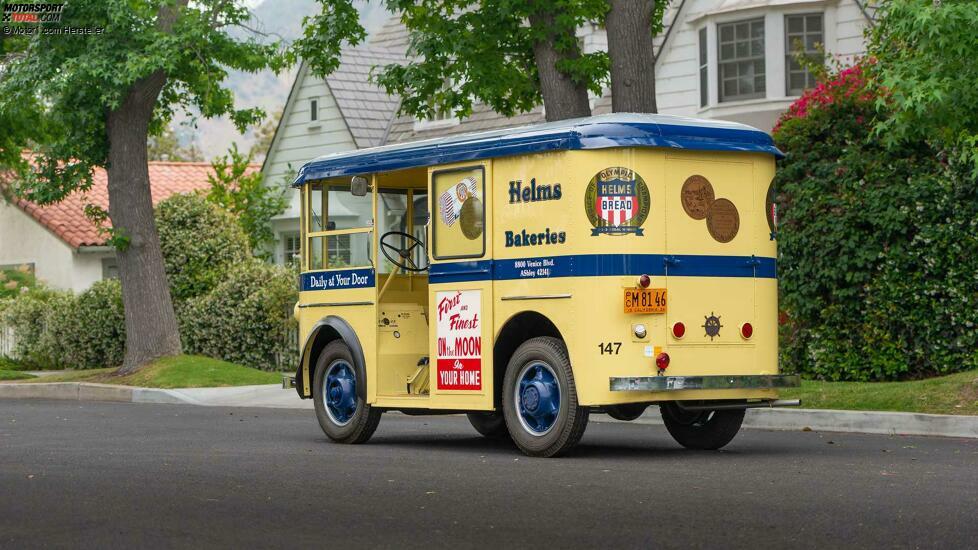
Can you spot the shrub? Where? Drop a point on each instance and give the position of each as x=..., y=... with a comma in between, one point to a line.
x=200, y=241
x=95, y=327
x=35, y=318
x=877, y=243
x=246, y=318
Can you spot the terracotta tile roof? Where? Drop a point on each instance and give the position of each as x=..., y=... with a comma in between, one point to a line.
x=67, y=219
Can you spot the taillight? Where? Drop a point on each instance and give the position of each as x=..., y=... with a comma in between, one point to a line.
x=644, y=281
x=662, y=361
x=746, y=330
x=678, y=330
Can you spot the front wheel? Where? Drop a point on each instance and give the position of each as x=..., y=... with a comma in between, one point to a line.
x=701, y=430
x=540, y=400
x=343, y=415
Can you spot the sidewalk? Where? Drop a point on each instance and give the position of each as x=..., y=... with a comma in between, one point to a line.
x=273, y=396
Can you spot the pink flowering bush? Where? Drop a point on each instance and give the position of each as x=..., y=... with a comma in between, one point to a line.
x=878, y=268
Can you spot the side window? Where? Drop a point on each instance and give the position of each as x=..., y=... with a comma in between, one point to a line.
x=460, y=218
x=339, y=228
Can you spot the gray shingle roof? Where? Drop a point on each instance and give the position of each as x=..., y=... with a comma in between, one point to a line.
x=367, y=108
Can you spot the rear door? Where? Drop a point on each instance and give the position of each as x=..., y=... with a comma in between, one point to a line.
x=709, y=249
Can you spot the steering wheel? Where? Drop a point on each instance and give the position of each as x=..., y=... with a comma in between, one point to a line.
x=401, y=257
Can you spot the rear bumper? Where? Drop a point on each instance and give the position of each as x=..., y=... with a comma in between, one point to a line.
x=676, y=383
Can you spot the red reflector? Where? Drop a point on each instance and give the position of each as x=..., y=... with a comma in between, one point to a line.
x=662, y=361
x=644, y=281
x=747, y=330
x=679, y=330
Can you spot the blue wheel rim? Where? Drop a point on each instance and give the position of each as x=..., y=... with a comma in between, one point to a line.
x=340, y=392
x=537, y=397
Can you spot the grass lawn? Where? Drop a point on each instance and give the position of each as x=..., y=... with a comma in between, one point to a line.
x=952, y=394
x=14, y=375
x=183, y=371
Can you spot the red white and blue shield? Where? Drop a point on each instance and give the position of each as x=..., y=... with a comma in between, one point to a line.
x=616, y=201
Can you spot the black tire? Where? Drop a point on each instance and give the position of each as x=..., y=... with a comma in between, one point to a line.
x=356, y=427
x=568, y=425
x=701, y=430
x=626, y=412
x=489, y=424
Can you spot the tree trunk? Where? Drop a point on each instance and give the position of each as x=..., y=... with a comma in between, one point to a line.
x=151, y=324
x=629, y=24
x=562, y=97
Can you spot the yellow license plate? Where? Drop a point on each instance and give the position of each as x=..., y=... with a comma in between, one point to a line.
x=645, y=300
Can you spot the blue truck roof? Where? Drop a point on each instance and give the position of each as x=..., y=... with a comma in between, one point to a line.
x=596, y=132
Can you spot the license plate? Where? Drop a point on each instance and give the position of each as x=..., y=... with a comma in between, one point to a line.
x=645, y=300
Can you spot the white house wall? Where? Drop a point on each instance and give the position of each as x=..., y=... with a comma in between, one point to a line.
x=677, y=69
x=25, y=241
x=299, y=140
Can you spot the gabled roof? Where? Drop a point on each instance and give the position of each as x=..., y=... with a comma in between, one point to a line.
x=597, y=132
x=366, y=108
x=67, y=219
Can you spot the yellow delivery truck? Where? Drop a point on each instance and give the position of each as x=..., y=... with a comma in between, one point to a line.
x=531, y=276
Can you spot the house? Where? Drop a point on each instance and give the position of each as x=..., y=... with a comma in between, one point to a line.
x=715, y=59
x=62, y=246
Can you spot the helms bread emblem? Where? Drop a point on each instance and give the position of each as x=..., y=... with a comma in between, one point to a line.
x=617, y=202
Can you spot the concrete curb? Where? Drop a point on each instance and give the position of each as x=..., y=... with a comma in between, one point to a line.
x=272, y=396
x=87, y=391
x=826, y=420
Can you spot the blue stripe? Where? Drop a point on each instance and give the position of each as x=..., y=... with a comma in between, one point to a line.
x=548, y=267
x=604, y=265
x=599, y=132
x=337, y=279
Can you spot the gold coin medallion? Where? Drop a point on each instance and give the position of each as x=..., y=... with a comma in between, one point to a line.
x=723, y=221
x=697, y=196
x=471, y=219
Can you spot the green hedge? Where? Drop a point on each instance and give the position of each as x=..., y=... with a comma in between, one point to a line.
x=199, y=241
x=55, y=329
x=246, y=318
x=231, y=306
x=878, y=244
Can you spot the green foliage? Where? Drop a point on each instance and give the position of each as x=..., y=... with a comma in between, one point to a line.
x=485, y=50
x=242, y=192
x=200, y=243
x=67, y=84
x=926, y=55
x=878, y=271
x=93, y=330
x=35, y=318
x=246, y=318
x=15, y=281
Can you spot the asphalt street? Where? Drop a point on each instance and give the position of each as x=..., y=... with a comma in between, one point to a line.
x=103, y=475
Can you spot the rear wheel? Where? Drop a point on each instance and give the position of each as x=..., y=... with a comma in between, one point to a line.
x=701, y=430
x=627, y=412
x=343, y=415
x=489, y=424
x=540, y=399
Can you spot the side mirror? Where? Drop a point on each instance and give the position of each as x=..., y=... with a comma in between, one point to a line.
x=359, y=186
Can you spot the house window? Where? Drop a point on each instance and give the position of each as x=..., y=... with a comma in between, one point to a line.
x=340, y=254
x=741, y=59
x=291, y=248
x=110, y=268
x=314, y=109
x=704, y=78
x=803, y=34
